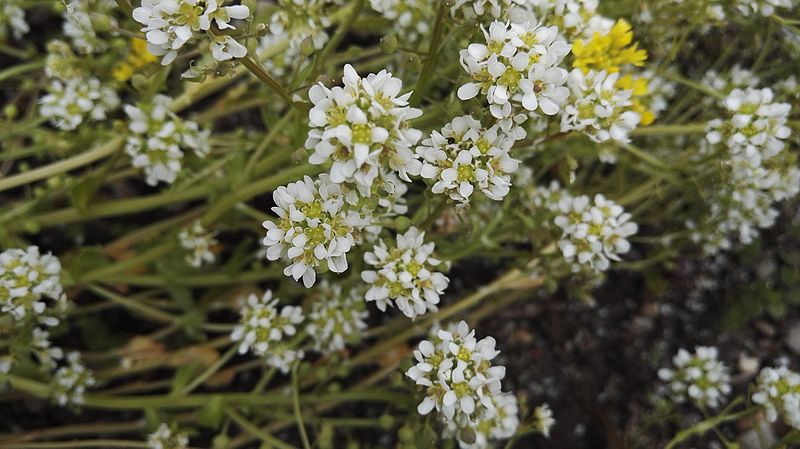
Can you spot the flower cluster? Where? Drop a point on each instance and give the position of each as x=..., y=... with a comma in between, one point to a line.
x=336, y=319
x=699, y=377
x=497, y=9
x=778, y=391
x=519, y=64
x=30, y=286
x=757, y=172
x=410, y=18
x=69, y=103
x=71, y=381
x=158, y=139
x=12, y=18
x=169, y=24
x=608, y=51
x=463, y=385
x=543, y=420
x=593, y=231
x=465, y=156
x=294, y=24
x=362, y=127
x=79, y=24
x=315, y=224
x=405, y=275
x=262, y=325
x=165, y=437
x=599, y=107
x=764, y=8
x=574, y=18
x=198, y=243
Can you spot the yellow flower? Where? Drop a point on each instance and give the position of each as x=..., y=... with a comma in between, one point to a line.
x=138, y=58
x=608, y=51
x=639, y=96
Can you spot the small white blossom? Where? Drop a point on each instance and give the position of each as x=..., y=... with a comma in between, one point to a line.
x=282, y=357
x=170, y=24
x=70, y=382
x=69, y=103
x=292, y=23
x=593, y=231
x=496, y=9
x=699, y=377
x=543, y=420
x=463, y=386
x=410, y=18
x=778, y=391
x=519, y=64
x=598, y=108
x=465, y=156
x=335, y=318
x=315, y=225
x=574, y=18
x=198, y=243
x=12, y=18
x=165, y=437
x=764, y=8
x=362, y=127
x=263, y=325
x=78, y=25
x=158, y=139
x=30, y=286
x=405, y=275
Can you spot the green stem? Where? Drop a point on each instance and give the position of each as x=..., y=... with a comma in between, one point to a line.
x=19, y=69
x=142, y=308
x=219, y=363
x=49, y=171
x=708, y=424
x=669, y=130
x=430, y=64
x=253, y=429
x=296, y=406
x=77, y=444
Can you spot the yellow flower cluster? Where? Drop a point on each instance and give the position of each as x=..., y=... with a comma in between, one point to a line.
x=608, y=51
x=138, y=58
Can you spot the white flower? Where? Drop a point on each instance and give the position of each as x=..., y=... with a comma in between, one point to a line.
x=336, y=319
x=158, y=138
x=593, y=232
x=410, y=18
x=598, y=108
x=78, y=24
x=169, y=24
x=262, y=326
x=165, y=437
x=543, y=419
x=12, y=17
x=198, y=243
x=282, y=357
x=480, y=8
x=69, y=103
x=30, y=286
x=518, y=63
x=755, y=169
x=463, y=386
x=405, y=275
x=764, y=8
x=294, y=22
x=575, y=18
x=47, y=354
x=70, y=382
x=778, y=391
x=699, y=377
x=224, y=48
x=315, y=224
x=465, y=156
x=362, y=127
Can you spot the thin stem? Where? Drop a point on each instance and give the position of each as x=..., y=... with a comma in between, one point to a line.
x=219, y=363
x=48, y=171
x=430, y=63
x=296, y=405
x=253, y=429
x=76, y=444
